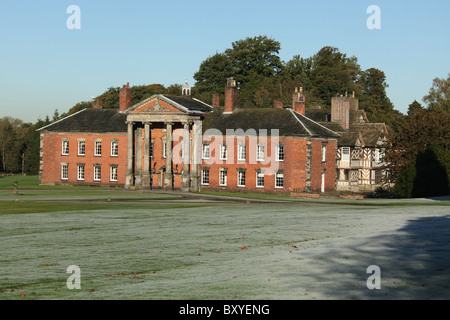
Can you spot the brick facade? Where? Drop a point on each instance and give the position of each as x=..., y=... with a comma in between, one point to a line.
x=52, y=158
x=300, y=157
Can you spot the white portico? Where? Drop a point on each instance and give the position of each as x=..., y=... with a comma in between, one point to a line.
x=156, y=118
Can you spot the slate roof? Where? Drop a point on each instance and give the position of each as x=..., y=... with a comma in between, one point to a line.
x=90, y=120
x=369, y=132
x=318, y=115
x=191, y=104
x=287, y=121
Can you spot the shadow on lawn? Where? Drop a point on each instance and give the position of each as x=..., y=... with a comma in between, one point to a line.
x=414, y=263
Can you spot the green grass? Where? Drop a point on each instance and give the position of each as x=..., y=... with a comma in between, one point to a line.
x=85, y=195
x=144, y=245
x=154, y=251
x=23, y=207
x=32, y=183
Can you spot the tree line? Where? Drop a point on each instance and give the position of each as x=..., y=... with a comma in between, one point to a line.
x=263, y=77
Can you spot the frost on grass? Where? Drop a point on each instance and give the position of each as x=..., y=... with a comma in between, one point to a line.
x=291, y=252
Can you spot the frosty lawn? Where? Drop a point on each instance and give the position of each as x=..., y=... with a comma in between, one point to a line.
x=226, y=251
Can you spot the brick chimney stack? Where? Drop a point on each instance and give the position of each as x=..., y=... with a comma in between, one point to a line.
x=97, y=105
x=341, y=106
x=215, y=100
x=340, y=111
x=298, y=101
x=230, y=96
x=278, y=104
x=125, y=97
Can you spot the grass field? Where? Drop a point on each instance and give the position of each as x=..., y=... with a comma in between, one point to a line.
x=131, y=245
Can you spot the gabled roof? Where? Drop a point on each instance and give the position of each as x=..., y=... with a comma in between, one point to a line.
x=368, y=133
x=360, y=128
x=184, y=104
x=90, y=120
x=358, y=116
x=287, y=121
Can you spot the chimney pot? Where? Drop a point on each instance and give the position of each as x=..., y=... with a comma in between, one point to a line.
x=298, y=101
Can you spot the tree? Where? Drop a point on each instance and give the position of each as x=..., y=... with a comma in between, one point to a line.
x=254, y=55
x=374, y=99
x=78, y=107
x=332, y=73
x=32, y=147
x=251, y=61
x=421, y=145
x=213, y=73
x=12, y=136
x=414, y=108
x=438, y=98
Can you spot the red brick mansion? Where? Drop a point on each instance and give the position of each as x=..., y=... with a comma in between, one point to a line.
x=179, y=142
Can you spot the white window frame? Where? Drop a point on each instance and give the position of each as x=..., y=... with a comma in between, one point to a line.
x=113, y=173
x=242, y=150
x=280, y=153
x=97, y=148
x=278, y=175
x=97, y=173
x=164, y=149
x=80, y=172
x=81, y=147
x=345, y=154
x=64, y=171
x=223, y=177
x=114, y=148
x=259, y=175
x=223, y=151
x=65, y=147
x=241, y=175
x=378, y=155
x=206, y=152
x=324, y=152
x=205, y=177
x=260, y=152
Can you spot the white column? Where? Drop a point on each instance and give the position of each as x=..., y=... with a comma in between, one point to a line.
x=129, y=178
x=138, y=174
x=185, y=183
x=196, y=154
x=146, y=169
x=168, y=177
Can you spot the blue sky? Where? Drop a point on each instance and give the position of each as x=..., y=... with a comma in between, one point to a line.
x=45, y=66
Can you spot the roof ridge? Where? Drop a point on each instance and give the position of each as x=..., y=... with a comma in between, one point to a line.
x=55, y=122
x=295, y=116
x=315, y=122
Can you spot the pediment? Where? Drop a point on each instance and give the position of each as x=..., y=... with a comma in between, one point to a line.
x=154, y=105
